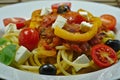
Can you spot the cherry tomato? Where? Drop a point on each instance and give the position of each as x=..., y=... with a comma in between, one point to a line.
x=103, y=55
x=108, y=21
x=29, y=38
x=74, y=17
x=20, y=22
x=56, y=5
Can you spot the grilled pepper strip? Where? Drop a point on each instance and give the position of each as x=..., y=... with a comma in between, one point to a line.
x=78, y=36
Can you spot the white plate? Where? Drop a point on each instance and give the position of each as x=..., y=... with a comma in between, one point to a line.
x=25, y=10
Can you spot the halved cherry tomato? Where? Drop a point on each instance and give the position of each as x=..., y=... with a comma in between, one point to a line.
x=103, y=55
x=56, y=5
x=108, y=21
x=29, y=38
x=20, y=22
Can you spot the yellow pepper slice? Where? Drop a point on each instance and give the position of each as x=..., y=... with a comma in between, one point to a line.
x=35, y=19
x=78, y=36
x=88, y=17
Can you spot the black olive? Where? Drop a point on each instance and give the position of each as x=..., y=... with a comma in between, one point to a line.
x=62, y=9
x=48, y=69
x=115, y=44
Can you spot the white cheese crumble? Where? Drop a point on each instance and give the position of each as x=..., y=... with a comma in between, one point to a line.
x=81, y=60
x=22, y=55
x=10, y=28
x=85, y=26
x=60, y=22
x=45, y=11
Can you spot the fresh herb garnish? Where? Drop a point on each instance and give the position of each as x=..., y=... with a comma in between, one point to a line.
x=3, y=41
x=7, y=54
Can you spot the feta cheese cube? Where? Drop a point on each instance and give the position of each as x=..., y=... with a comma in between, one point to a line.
x=85, y=26
x=81, y=60
x=22, y=55
x=45, y=11
x=60, y=22
x=10, y=28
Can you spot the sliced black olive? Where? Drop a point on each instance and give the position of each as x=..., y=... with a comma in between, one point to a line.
x=48, y=69
x=62, y=9
x=115, y=44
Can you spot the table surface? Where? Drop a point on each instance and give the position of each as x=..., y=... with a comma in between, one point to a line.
x=115, y=3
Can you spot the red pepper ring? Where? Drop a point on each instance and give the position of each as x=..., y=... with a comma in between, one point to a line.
x=78, y=36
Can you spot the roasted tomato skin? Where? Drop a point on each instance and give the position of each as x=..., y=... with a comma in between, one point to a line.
x=103, y=55
x=20, y=22
x=29, y=38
